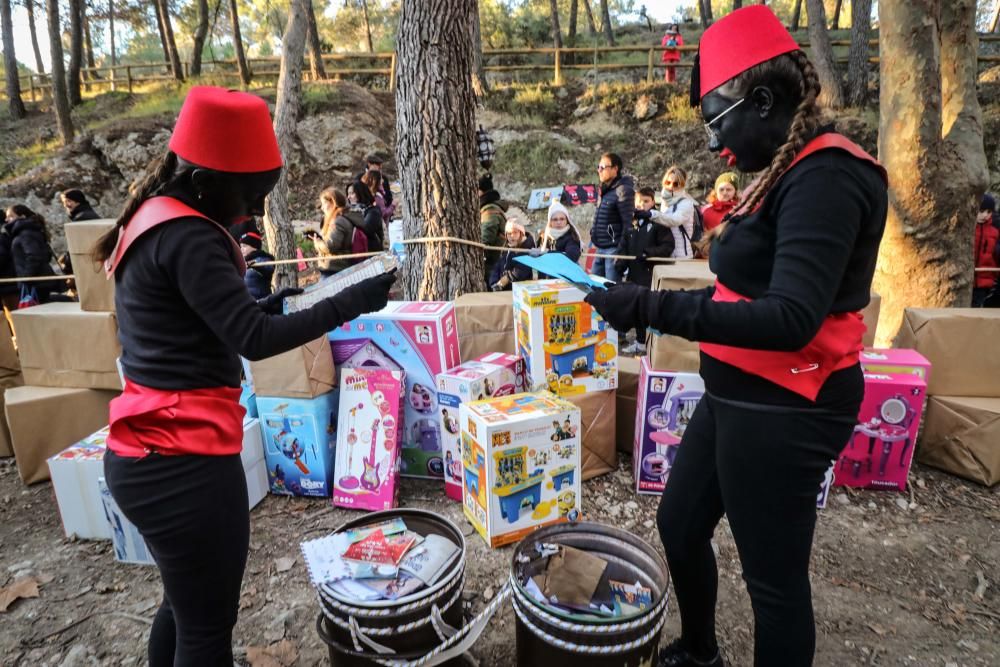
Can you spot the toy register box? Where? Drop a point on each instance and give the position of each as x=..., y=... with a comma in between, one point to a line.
x=299, y=435
x=491, y=375
x=521, y=464
x=568, y=348
x=420, y=339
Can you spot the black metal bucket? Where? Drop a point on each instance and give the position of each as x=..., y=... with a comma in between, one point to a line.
x=547, y=636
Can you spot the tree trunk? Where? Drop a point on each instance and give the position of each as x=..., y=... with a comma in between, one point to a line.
x=200, y=32
x=88, y=46
x=111, y=31
x=277, y=221
x=995, y=21
x=436, y=149
x=168, y=36
x=556, y=31
x=836, y=15
x=702, y=16
x=707, y=4
x=59, y=98
x=609, y=33
x=931, y=143
x=75, y=51
x=316, y=67
x=591, y=25
x=39, y=65
x=241, y=58
x=822, y=56
x=163, y=34
x=15, y=103
x=479, y=84
x=737, y=4
x=574, y=9
x=797, y=16
x=368, y=26
x=857, y=65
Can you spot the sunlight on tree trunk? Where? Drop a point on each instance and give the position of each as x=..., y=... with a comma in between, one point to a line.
x=60, y=101
x=822, y=56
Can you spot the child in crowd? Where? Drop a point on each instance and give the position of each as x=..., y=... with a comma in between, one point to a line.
x=986, y=250
x=257, y=278
x=721, y=200
x=560, y=234
x=506, y=271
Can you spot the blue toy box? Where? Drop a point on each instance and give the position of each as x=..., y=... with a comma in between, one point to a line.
x=299, y=440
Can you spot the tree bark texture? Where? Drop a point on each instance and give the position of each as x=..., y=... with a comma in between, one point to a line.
x=241, y=57
x=857, y=61
x=822, y=56
x=705, y=10
x=15, y=103
x=111, y=32
x=591, y=25
x=931, y=143
x=574, y=11
x=995, y=20
x=797, y=16
x=556, y=30
x=368, y=26
x=316, y=67
x=39, y=65
x=169, y=41
x=436, y=149
x=75, y=51
x=198, y=39
x=88, y=47
x=163, y=35
x=277, y=222
x=59, y=99
x=609, y=32
x=836, y=15
x=480, y=86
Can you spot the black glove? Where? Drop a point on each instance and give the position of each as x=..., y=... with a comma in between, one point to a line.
x=643, y=215
x=620, y=266
x=272, y=304
x=368, y=296
x=623, y=306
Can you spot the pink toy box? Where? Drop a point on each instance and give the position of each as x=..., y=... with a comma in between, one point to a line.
x=908, y=362
x=491, y=375
x=666, y=402
x=880, y=451
x=370, y=423
x=420, y=339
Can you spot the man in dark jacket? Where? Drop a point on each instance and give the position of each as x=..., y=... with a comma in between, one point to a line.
x=506, y=271
x=614, y=213
x=258, y=278
x=77, y=206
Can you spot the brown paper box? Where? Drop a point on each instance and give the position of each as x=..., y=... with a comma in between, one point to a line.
x=597, y=422
x=10, y=363
x=958, y=343
x=45, y=420
x=63, y=346
x=305, y=372
x=97, y=293
x=673, y=352
x=485, y=323
x=625, y=402
x=5, y=383
x=870, y=316
x=962, y=436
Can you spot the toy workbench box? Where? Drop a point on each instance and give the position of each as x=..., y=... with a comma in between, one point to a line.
x=521, y=464
x=567, y=346
x=299, y=436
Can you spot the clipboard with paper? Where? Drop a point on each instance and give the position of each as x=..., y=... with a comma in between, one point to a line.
x=558, y=265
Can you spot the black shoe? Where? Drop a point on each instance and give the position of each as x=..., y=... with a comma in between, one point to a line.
x=672, y=655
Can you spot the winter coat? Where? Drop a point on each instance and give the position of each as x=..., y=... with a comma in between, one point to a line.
x=643, y=239
x=568, y=244
x=258, y=278
x=83, y=212
x=492, y=219
x=246, y=226
x=338, y=241
x=986, y=253
x=372, y=224
x=387, y=210
x=713, y=214
x=677, y=213
x=614, y=212
x=515, y=271
x=31, y=255
x=672, y=55
x=7, y=262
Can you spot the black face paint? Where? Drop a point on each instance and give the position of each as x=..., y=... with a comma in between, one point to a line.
x=226, y=196
x=750, y=134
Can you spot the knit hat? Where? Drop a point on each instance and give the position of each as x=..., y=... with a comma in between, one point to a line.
x=512, y=226
x=728, y=177
x=988, y=203
x=486, y=183
x=557, y=207
x=251, y=239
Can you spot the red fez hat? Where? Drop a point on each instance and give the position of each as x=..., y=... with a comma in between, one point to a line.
x=740, y=40
x=226, y=130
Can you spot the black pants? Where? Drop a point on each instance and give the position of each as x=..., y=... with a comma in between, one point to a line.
x=761, y=467
x=193, y=513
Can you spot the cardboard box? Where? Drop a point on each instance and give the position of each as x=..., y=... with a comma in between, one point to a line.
x=625, y=402
x=6, y=383
x=420, y=339
x=97, y=293
x=75, y=472
x=254, y=465
x=907, y=362
x=63, y=346
x=304, y=372
x=367, y=458
x=299, y=436
x=485, y=323
x=880, y=451
x=248, y=400
x=956, y=341
x=129, y=547
x=667, y=401
x=521, y=460
x=566, y=345
x=10, y=363
x=962, y=436
x=673, y=353
x=870, y=315
x=599, y=454
x=491, y=375
x=46, y=420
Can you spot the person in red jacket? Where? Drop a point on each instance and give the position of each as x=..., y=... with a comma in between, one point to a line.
x=986, y=251
x=721, y=200
x=672, y=41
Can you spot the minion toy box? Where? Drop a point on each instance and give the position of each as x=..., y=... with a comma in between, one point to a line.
x=420, y=339
x=299, y=436
x=567, y=347
x=520, y=464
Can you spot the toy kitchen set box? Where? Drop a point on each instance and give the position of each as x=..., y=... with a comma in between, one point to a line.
x=299, y=436
x=568, y=347
x=420, y=339
x=520, y=464
x=489, y=376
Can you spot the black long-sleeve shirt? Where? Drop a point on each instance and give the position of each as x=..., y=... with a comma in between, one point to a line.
x=809, y=251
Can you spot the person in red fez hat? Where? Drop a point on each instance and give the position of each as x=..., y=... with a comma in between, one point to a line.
x=780, y=334
x=184, y=319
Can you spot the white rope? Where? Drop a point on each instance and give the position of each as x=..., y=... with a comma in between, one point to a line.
x=389, y=631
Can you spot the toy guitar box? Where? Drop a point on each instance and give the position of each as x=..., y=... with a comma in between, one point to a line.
x=299, y=436
x=421, y=340
x=371, y=421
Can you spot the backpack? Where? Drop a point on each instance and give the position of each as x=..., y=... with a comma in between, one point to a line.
x=697, y=225
x=359, y=242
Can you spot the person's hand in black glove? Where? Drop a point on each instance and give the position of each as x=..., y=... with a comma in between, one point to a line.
x=643, y=215
x=272, y=304
x=368, y=296
x=623, y=306
x=620, y=266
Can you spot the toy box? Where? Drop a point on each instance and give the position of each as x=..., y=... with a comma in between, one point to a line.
x=254, y=464
x=491, y=375
x=666, y=402
x=880, y=451
x=521, y=464
x=299, y=436
x=567, y=347
x=908, y=362
x=75, y=472
x=420, y=339
x=128, y=544
x=371, y=419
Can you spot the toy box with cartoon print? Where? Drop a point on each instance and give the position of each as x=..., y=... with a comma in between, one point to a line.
x=491, y=375
x=909, y=362
x=520, y=464
x=420, y=339
x=299, y=436
x=666, y=402
x=567, y=347
x=371, y=419
x=880, y=450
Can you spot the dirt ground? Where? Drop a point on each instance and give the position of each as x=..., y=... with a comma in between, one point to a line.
x=898, y=579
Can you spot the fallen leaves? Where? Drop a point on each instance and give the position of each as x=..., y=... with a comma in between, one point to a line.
x=25, y=587
x=281, y=654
